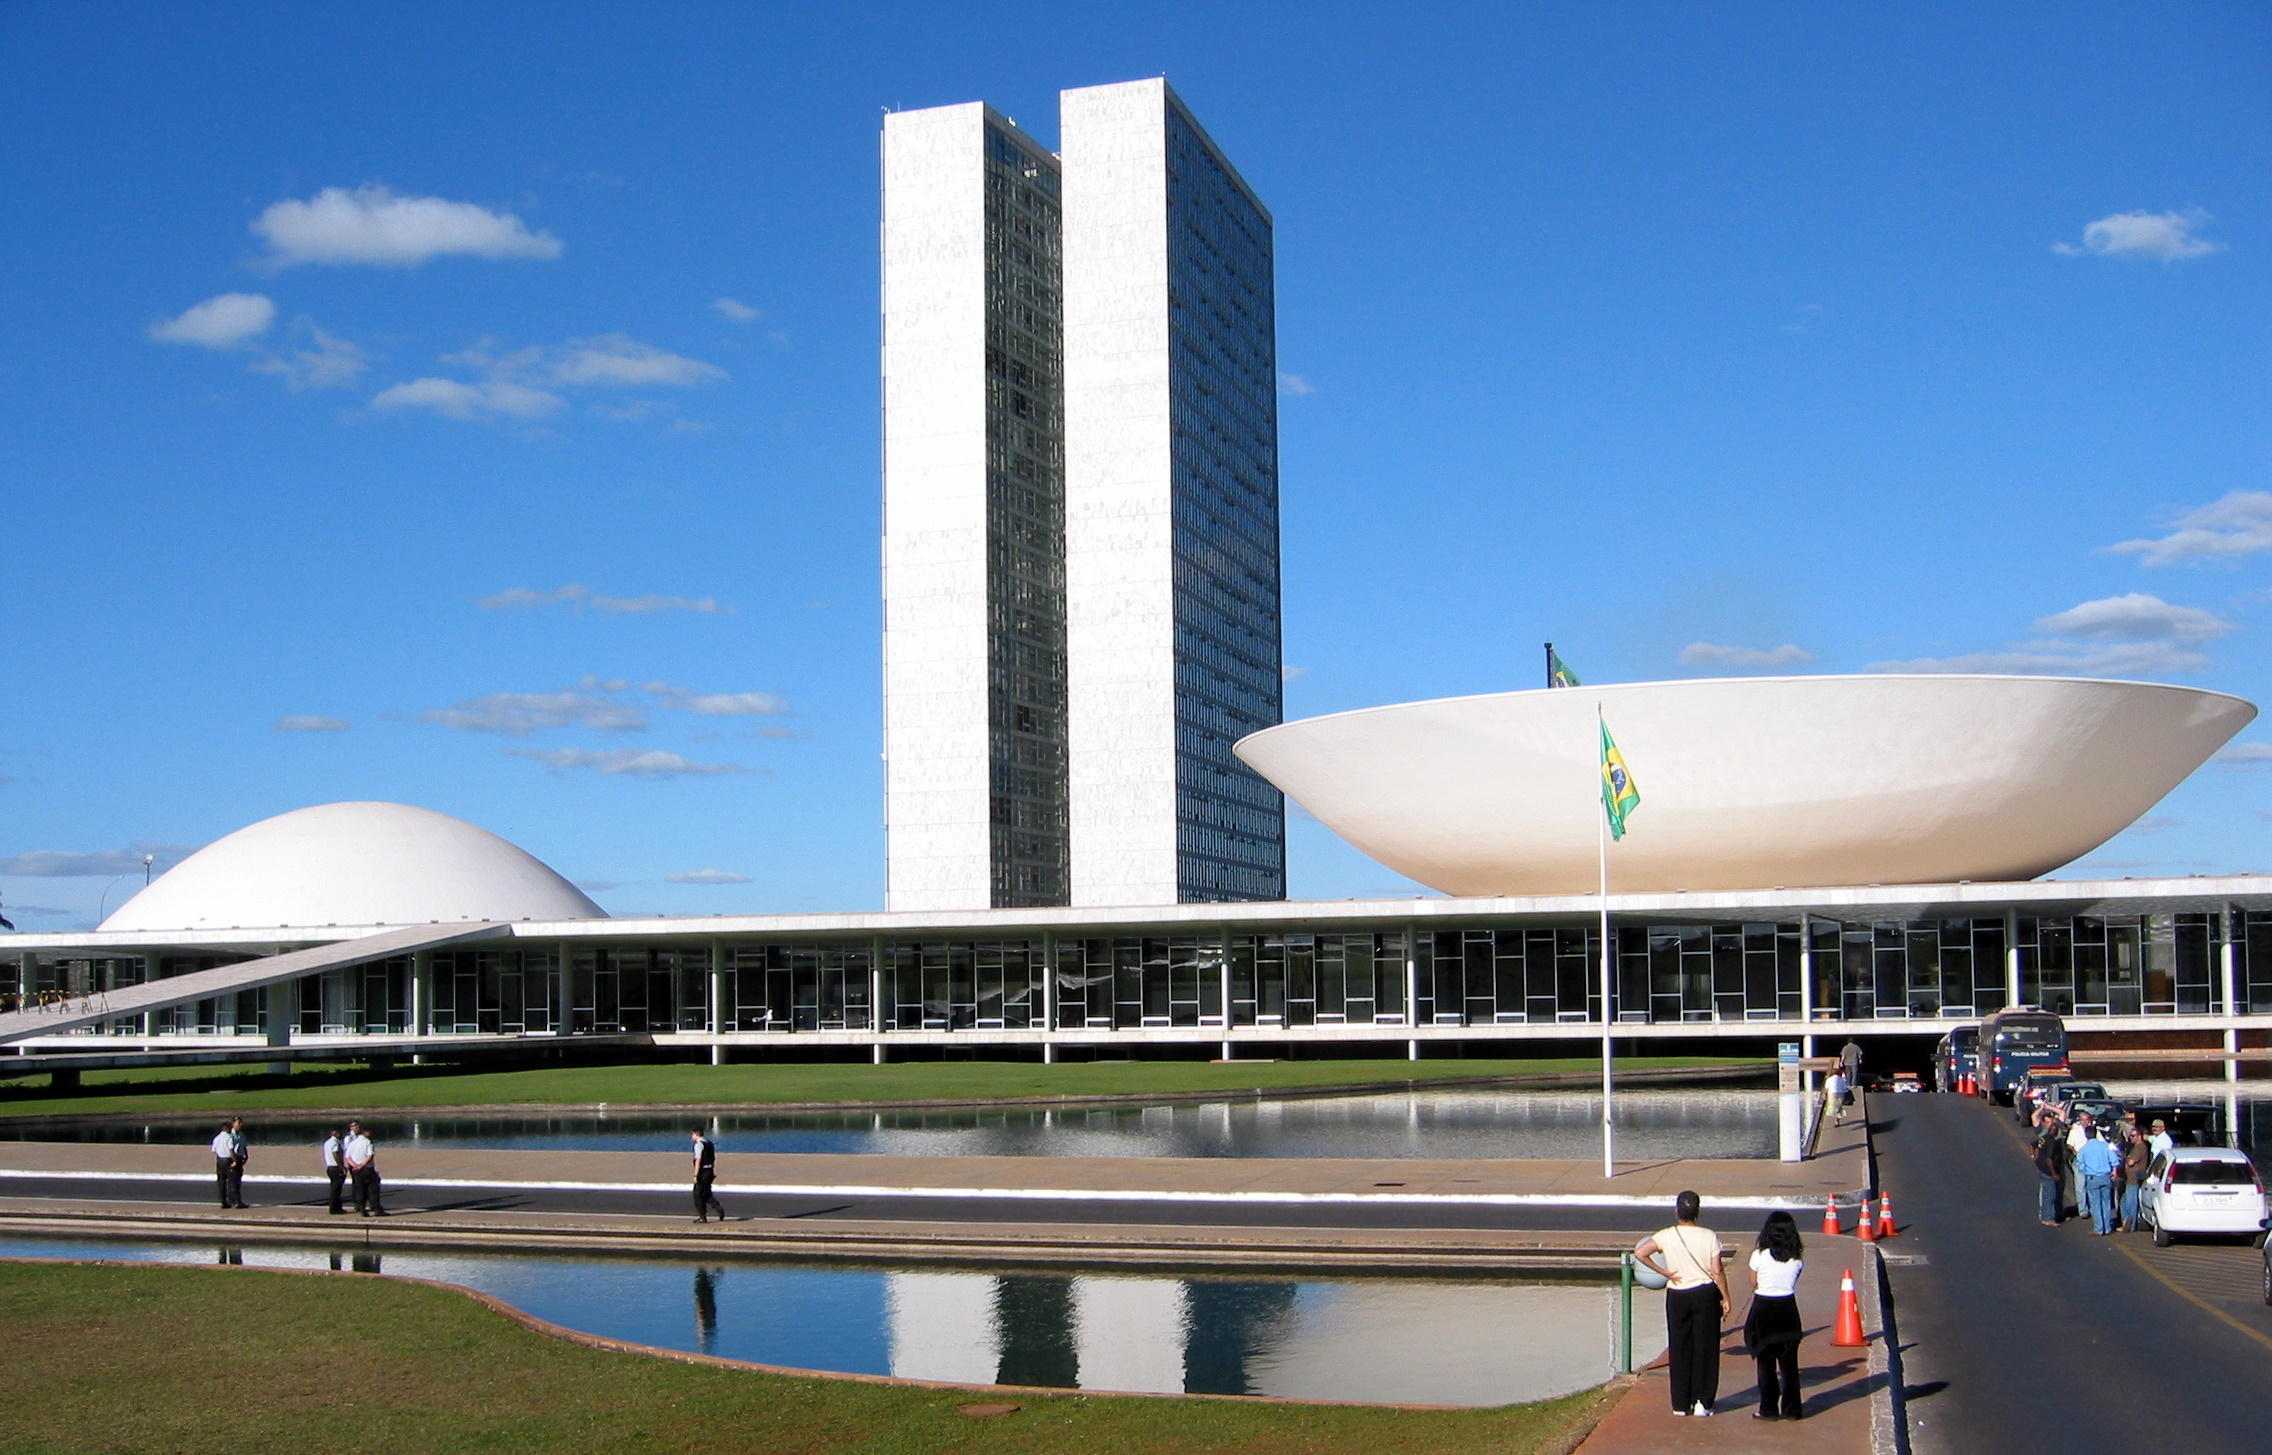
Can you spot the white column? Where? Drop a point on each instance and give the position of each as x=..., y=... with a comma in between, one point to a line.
x=717, y=1000
x=2011, y=957
x=153, y=967
x=1412, y=989
x=563, y=989
x=2228, y=967
x=421, y=995
x=1806, y=996
x=876, y=995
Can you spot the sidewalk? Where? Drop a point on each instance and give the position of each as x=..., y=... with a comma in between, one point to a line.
x=1838, y=1383
x=1840, y=1170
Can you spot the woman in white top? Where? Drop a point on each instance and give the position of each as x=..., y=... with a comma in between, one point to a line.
x=1696, y=1300
x=1772, y=1329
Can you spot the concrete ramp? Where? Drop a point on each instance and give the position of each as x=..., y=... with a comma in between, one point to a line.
x=97, y=1007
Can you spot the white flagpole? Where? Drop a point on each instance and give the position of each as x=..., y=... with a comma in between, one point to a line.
x=1608, y=960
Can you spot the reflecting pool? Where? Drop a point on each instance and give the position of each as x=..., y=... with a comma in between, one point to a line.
x=1651, y=1123
x=1374, y=1340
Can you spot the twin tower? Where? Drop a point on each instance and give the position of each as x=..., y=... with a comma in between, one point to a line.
x=1080, y=510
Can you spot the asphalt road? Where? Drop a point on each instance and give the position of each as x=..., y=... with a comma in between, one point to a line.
x=913, y=1209
x=2018, y=1337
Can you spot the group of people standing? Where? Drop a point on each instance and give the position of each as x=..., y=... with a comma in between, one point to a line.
x=1698, y=1302
x=349, y=1160
x=2085, y=1168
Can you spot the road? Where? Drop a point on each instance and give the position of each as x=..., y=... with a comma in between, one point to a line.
x=1637, y=1220
x=2019, y=1337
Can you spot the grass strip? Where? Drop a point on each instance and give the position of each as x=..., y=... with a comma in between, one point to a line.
x=627, y=1087
x=109, y=1357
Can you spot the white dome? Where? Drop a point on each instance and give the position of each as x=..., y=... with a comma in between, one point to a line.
x=353, y=864
x=1750, y=782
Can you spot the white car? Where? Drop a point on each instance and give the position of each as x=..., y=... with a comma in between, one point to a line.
x=2202, y=1190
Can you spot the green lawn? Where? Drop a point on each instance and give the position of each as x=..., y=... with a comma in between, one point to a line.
x=122, y=1358
x=317, y=1087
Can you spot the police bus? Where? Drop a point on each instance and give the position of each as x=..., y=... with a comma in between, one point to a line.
x=2014, y=1042
x=1956, y=1057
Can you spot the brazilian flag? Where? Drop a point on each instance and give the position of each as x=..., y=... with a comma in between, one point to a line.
x=1558, y=673
x=1618, y=795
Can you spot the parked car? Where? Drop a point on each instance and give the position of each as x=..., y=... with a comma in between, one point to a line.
x=2032, y=1087
x=2191, y=1124
x=2060, y=1093
x=2205, y=1191
x=1907, y=1081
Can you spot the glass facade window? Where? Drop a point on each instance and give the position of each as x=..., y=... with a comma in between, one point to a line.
x=1223, y=381
x=1030, y=855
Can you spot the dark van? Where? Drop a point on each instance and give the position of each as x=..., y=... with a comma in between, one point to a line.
x=1955, y=1057
x=2014, y=1042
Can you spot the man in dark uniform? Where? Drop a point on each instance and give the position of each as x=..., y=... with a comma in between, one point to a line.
x=705, y=1173
x=229, y=1156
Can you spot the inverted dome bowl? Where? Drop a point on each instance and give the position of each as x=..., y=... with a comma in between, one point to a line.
x=1749, y=783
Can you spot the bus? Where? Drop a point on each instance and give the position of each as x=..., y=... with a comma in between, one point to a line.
x=1956, y=1057
x=2014, y=1042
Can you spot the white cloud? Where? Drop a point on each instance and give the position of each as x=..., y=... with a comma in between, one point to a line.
x=375, y=226
x=1288, y=674
x=1295, y=384
x=2163, y=237
x=2245, y=755
x=312, y=724
x=106, y=863
x=625, y=762
x=735, y=309
x=718, y=704
x=2154, y=823
x=2134, y=618
x=2117, y=636
x=614, y=360
x=454, y=400
x=1711, y=654
x=225, y=321
x=707, y=876
x=321, y=361
x=517, y=714
x=2239, y=524
x=576, y=598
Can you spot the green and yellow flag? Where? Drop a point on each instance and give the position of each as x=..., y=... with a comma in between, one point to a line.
x=1558, y=673
x=1618, y=795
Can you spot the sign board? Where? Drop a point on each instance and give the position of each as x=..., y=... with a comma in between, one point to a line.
x=1787, y=1052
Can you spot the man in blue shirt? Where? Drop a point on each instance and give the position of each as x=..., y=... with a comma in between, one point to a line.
x=2096, y=1160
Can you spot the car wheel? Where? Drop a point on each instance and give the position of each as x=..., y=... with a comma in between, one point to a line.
x=2162, y=1238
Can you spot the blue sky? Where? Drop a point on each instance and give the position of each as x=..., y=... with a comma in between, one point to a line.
x=526, y=466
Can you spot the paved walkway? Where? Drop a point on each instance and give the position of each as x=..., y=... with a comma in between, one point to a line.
x=1839, y=1170
x=1838, y=1383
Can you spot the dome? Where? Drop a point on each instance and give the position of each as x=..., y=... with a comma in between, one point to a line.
x=353, y=864
x=1752, y=782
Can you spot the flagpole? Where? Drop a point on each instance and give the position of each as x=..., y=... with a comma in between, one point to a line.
x=1608, y=959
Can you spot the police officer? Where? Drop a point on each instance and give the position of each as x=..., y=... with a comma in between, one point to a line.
x=705, y=1173
x=334, y=1170
x=229, y=1156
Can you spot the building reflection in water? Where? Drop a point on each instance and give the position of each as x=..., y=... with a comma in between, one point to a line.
x=1387, y=1341
x=706, y=1282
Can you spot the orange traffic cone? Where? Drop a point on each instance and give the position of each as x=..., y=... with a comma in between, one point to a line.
x=1866, y=1230
x=1848, y=1332
x=1830, y=1224
x=1964, y=1085
x=1886, y=1228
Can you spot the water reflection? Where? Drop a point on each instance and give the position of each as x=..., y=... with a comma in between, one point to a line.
x=1386, y=1340
x=1714, y=1122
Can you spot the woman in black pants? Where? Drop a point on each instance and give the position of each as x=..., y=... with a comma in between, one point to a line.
x=1772, y=1330
x=1696, y=1300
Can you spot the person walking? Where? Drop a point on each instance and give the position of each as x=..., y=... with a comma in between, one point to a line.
x=2096, y=1162
x=1850, y=1061
x=1696, y=1301
x=705, y=1174
x=362, y=1161
x=2050, y=1159
x=2137, y=1156
x=1772, y=1328
x=1834, y=1091
x=333, y=1170
x=229, y=1156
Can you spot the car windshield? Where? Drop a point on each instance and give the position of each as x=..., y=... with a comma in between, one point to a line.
x=2079, y=1091
x=2029, y=1033
x=2203, y=1172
